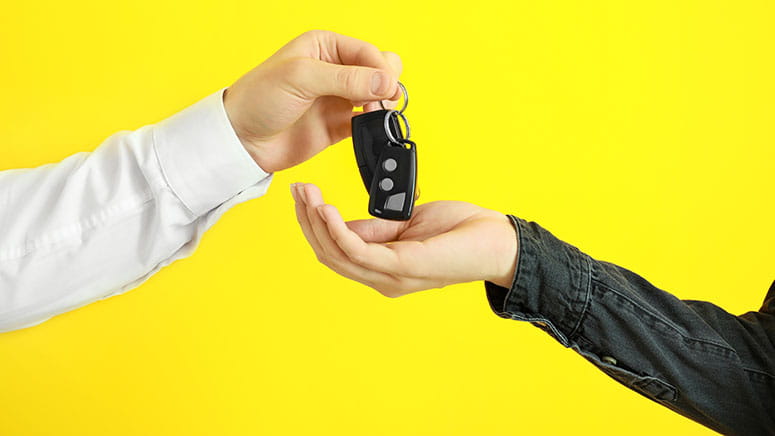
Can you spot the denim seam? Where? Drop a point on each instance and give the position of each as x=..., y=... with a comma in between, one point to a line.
x=638, y=379
x=668, y=323
x=587, y=295
x=579, y=289
x=759, y=372
x=557, y=333
x=517, y=274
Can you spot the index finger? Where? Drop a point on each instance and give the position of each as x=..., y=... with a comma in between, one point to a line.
x=340, y=49
x=373, y=256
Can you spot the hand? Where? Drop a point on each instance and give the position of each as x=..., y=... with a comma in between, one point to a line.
x=444, y=242
x=301, y=99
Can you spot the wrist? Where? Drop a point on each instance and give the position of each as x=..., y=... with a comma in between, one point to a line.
x=243, y=134
x=507, y=253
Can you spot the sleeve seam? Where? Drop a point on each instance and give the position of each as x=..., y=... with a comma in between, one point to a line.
x=727, y=351
x=759, y=372
x=587, y=295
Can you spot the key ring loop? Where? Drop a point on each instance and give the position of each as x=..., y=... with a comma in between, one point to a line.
x=406, y=99
x=387, y=126
x=408, y=143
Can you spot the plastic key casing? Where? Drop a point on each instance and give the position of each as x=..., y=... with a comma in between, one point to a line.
x=392, y=191
x=370, y=139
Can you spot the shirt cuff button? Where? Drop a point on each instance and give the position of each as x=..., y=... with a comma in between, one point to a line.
x=609, y=360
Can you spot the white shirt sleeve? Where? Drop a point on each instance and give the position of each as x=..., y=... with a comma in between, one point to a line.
x=99, y=224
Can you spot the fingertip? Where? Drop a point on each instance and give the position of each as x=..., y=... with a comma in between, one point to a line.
x=397, y=94
x=371, y=107
x=301, y=195
x=394, y=60
x=381, y=84
x=312, y=194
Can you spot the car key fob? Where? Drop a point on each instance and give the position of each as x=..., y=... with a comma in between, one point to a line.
x=387, y=161
x=370, y=139
x=392, y=190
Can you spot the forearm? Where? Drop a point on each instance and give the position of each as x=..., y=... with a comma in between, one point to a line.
x=98, y=224
x=692, y=357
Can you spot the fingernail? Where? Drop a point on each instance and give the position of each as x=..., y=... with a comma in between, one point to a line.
x=293, y=191
x=376, y=83
x=322, y=215
x=303, y=192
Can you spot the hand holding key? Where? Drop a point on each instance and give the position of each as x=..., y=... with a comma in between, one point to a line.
x=445, y=242
x=300, y=100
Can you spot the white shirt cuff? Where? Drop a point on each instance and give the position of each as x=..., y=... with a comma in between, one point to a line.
x=201, y=156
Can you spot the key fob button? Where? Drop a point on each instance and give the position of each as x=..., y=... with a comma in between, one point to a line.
x=386, y=184
x=396, y=202
x=390, y=165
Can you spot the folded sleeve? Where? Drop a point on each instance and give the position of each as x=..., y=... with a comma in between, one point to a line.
x=98, y=224
x=690, y=356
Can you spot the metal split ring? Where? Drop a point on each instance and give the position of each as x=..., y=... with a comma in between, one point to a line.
x=406, y=98
x=389, y=134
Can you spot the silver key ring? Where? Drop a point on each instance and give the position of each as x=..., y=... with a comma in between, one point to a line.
x=406, y=99
x=387, y=126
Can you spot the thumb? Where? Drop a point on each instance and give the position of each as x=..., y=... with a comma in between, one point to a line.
x=394, y=61
x=314, y=78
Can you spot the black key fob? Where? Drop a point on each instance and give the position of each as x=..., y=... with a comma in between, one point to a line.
x=387, y=161
x=388, y=164
x=370, y=139
x=392, y=190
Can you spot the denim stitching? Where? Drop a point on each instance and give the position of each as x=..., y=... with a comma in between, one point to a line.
x=666, y=322
x=587, y=297
x=758, y=372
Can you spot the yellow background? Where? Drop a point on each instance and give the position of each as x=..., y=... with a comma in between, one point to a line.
x=641, y=132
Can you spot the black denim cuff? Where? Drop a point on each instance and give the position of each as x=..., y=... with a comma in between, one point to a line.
x=551, y=286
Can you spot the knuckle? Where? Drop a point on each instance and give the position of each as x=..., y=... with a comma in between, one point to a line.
x=357, y=257
x=402, y=287
x=326, y=252
x=336, y=237
x=389, y=290
x=394, y=60
x=385, y=291
x=392, y=294
x=337, y=257
x=316, y=33
x=322, y=259
x=346, y=78
x=294, y=68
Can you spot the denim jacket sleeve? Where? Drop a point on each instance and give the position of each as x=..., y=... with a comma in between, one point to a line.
x=690, y=356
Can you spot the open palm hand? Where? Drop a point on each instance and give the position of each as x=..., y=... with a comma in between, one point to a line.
x=445, y=242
